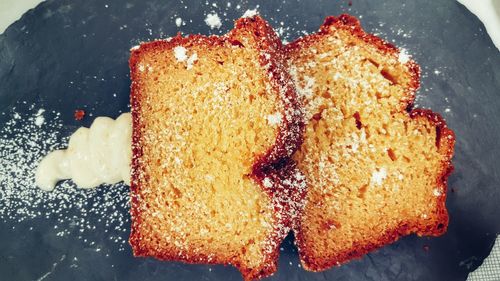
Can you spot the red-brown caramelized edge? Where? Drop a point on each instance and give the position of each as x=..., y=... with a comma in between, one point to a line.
x=288, y=189
x=445, y=141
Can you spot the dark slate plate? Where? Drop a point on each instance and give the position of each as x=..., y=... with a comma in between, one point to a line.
x=67, y=55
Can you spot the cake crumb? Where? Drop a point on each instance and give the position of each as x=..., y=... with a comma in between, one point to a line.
x=79, y=114
x=213, y=21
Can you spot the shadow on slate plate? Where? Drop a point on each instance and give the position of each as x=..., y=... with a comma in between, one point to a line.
x=67, y=55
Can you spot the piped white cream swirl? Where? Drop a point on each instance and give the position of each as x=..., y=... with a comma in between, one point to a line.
x=96, y=155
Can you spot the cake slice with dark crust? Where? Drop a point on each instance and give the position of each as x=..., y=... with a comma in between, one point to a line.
x=376, y=169
x=212, y=118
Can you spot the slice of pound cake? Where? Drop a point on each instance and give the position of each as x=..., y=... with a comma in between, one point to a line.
x=211, y=115
x=376, y=169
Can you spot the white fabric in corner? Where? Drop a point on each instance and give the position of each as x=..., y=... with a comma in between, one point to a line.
x=490, y=269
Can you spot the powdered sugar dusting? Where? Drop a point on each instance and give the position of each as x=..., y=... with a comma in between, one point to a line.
x=267, y=182
x=180, y=53
x=178, y=22
x=379, y=176
x=274, y=119
x=39, y=119
x=250, y=13
x=403, y=56
x=191, y=60
x=437, y=192
x=213, y=21
x=289, y=190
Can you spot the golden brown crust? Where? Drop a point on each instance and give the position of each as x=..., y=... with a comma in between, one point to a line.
x=444, y=141
x=285, y=180
x=287, y=192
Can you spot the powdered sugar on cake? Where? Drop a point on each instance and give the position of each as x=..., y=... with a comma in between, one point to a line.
x=250, y=13
x=191, y=60
x=274, y=119
x=378, y=176
x=267, y=182
x=403, y=56
x=180, y=53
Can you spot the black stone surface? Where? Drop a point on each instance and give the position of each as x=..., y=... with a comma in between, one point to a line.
x=51, y=55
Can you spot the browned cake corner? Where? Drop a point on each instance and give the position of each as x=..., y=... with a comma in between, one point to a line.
x=210, y=116
x=376, y=169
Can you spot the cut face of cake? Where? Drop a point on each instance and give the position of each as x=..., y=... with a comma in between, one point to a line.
x=212, y=116
x=376, y=170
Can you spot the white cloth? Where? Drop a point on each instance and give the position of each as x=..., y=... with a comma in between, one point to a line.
x=12, y=10
x=488, y=11
x=490, y=269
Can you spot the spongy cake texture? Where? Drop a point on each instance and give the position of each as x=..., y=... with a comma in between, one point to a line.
x=376, y=169
x=210, y=116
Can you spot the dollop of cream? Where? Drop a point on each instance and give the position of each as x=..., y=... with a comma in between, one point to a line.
x=96, y=155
